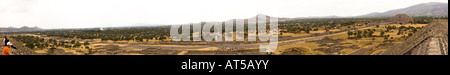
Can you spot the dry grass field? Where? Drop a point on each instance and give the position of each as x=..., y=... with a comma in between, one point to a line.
x=347, y=46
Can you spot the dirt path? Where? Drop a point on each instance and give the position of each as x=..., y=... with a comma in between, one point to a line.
x=362, y=51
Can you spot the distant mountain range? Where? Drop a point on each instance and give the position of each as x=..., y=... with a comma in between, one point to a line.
x=424, y=9
x=24, y=28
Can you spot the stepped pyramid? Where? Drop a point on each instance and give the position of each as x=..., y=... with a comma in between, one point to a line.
x=430, y=40
x=21, y=49
x=401, y=19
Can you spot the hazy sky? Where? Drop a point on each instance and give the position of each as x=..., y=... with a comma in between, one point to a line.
x=104, y=13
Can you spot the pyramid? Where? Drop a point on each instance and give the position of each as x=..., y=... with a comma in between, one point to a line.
x=420, y=42
x=401, y=19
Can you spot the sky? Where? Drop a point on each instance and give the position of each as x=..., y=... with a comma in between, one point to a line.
x=53, y=14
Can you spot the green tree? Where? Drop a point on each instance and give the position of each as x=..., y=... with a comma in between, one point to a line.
x=46, y=45
x=41, y=40
x=349, y=33
x=50, y=40
x=365, y=32
x=30, y=45
x=162, y=38
x=61, y=43
x=73, y=42
x=370, y=33
x=410, y=34
x=382, y=33
x=414, y=30
x=359, y=36
x=77, y=44
x=86, y=43
x=55, y=43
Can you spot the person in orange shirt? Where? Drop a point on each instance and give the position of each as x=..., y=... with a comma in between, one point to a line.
x=7, y=45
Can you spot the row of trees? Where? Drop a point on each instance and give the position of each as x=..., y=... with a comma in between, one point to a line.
x=369, y=32
x=361, y=34
x=427, y=19
x=307, y=25
x=32, y=42
x=36, y=42
x=115, y=34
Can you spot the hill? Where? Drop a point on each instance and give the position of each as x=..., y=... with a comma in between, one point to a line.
x=24, y=28
x=424, y=9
